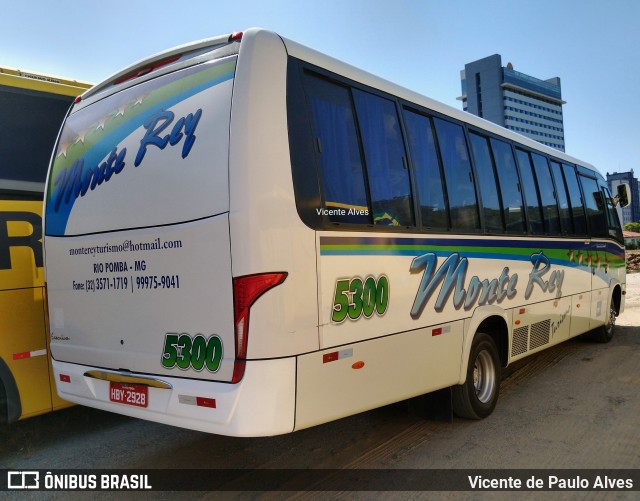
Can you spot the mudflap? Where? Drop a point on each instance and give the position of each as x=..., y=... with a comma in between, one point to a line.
x=435, y=406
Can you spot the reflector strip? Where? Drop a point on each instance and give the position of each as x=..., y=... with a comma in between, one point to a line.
x=64, y=378
x=329, y=357
x=210, y=403
x=29, y=354
x=206, y=402
x=441, y=330
x=337, y=355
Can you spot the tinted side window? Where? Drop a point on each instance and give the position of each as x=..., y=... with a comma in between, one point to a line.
x=595, y=205
x=613, y=221
x=337, y=144
x=534, y=214
x=563, y=199
x=575, y=198
x=547, y=194
x=30, y=125
x=509, y=186
x=491, y=206
x=386, y=160
x=463, y=205
x=426, y=170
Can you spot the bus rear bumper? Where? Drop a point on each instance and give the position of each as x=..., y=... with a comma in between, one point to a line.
x=262, y=404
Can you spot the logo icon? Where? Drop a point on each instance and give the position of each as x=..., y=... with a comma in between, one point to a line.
x=23, y=480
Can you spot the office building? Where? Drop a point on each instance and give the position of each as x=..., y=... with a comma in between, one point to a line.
x=519, y=102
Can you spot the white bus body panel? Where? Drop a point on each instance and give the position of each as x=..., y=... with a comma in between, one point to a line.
x=118, y=317
x=249, y=408
x=357, y=377
x=153, y=154
x=190, y=214
x=267, y=234
x=137, y=229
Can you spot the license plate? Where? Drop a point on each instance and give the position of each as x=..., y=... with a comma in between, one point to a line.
x=129, y=394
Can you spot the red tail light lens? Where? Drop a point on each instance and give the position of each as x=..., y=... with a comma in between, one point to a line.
x=147, y=69
x=246, y=291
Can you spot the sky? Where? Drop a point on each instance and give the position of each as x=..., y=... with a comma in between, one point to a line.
x=592, y=45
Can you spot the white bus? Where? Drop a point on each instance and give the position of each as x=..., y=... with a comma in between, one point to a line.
x=246, y=237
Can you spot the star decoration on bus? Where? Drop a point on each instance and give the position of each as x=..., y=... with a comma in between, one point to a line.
x=102, y=122
x=140, y=99
x=63, y=147
x=81, y=136
x=121, y=109
x=593, y=260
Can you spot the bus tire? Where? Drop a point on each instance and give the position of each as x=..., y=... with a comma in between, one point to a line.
x=10, y=406
x=604, y=333
x=478, y=395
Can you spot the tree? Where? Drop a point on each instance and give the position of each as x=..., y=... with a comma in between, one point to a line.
x=632, y=227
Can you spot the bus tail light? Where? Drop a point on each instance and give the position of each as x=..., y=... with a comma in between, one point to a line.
x=147, y=69
x=246, y=291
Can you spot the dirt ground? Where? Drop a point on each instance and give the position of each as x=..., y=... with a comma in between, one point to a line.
x=633, y=261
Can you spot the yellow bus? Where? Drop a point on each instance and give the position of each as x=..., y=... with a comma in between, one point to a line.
x=32, y=107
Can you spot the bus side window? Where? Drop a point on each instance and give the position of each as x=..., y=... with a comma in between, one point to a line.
x=463, y=205
x=485, y=170
x=386, y=160
x=563, y=199
x=509, y=186
x=547, y=195
x=427, y=170
x=575, y=197
x=594, y=203
x=337, y=146
x=613, y=221
x=534, y=214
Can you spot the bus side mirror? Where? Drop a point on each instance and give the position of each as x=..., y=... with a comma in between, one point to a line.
x=623, y=198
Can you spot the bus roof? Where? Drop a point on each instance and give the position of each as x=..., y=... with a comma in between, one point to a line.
x=41, y=82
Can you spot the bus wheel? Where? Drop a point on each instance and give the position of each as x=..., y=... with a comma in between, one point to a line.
x=604, y=334
x=477, y=396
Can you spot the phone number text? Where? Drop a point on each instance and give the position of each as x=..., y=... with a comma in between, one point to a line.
x=144, y=282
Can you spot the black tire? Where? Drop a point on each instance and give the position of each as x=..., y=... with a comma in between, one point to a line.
x=478, y=395
x=604, y=333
